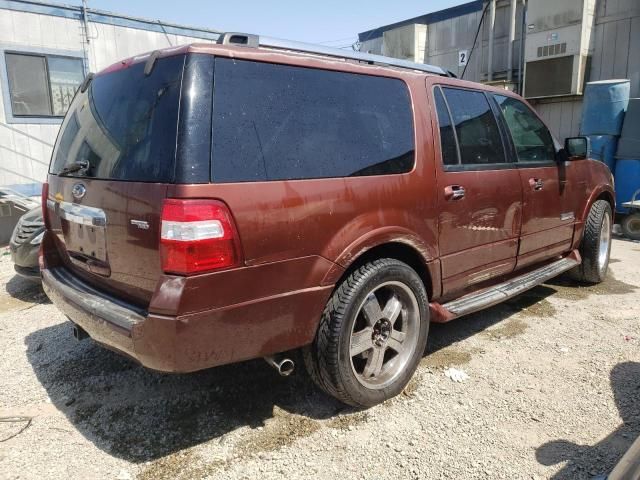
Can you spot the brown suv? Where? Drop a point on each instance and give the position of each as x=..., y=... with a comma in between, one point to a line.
x=215, y=203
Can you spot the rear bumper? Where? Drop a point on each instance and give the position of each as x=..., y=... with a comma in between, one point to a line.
x=107, y=321
x=190, y=342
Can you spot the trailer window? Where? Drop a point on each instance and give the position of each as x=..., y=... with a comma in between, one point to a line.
x=42, y=85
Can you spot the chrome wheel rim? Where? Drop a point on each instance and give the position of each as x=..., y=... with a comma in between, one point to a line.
x=384, y=335
x=605, y=241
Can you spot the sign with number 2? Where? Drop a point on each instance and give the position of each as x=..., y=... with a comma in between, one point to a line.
x=463, y=56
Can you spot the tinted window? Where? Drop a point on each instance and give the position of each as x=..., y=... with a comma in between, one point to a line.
x=447, y=136
x=193, y=154
x=531, y=137
x=476, y=128
x=70, y=129
x=125, y=124
x=276, y=122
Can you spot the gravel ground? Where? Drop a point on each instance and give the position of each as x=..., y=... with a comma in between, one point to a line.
x=553, y=392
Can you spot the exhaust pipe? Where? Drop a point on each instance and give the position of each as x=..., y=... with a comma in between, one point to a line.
x=284, y=366
x=79, y=333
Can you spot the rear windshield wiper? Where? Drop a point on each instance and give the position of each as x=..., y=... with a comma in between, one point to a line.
x=74, y=167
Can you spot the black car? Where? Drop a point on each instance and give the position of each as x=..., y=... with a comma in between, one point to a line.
x=25, y=243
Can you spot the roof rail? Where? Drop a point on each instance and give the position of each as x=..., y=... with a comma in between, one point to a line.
x=249, y=40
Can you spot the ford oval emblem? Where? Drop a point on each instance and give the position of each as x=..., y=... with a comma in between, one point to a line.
x=78, y=191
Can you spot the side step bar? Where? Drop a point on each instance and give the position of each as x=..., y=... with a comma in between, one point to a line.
x=475, y=301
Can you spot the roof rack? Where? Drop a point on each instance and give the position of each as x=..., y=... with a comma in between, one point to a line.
x=250, y=40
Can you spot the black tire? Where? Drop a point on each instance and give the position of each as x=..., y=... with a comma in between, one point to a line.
x=328, y=359
x=591, y=270
x=631, y=226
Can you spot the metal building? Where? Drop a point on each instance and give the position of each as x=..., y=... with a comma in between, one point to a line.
x=543, y=49
x=45, y=51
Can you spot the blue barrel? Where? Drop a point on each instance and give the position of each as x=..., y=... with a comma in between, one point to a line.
x=605, y=103
x=603, y=148
x=629, y=144
x=627, y=181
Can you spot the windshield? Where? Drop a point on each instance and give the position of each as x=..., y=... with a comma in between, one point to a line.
x=124, y=127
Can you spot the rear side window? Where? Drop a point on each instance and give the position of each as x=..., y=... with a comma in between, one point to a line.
x=530, y=136
x=278, y=122
x=476, y=127
x=124, y=125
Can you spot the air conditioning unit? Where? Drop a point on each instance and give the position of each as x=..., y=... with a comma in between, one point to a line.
x=557, y=47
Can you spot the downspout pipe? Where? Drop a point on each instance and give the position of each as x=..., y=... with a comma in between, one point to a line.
x=523, y=29
x=492, y=25
x=512, y=38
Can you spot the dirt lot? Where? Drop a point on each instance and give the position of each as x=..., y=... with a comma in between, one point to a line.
x=553, y=392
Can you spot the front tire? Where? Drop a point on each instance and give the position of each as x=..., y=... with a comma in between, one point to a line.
x=595, y=247
x=372, y=334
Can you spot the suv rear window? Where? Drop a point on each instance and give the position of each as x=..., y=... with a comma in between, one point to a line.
x=279, y=122
x=125, y=124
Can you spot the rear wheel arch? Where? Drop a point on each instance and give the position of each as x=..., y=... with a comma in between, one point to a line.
x=397, y=250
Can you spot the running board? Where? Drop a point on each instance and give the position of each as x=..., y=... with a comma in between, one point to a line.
x=499, y=293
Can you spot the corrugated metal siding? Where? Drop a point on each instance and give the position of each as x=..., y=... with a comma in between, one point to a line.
x=373, y=45
x=427, y=19
x=562, y=116
x=614, y=54
x=449, y=36
x=617, y=42
x=446, y=35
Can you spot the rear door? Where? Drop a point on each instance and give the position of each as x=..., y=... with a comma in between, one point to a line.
x=550, y=188
x=110, y=170
x=479, y=191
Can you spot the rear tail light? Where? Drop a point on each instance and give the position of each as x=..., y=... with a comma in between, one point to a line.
x=197, y=236
x=44, y=197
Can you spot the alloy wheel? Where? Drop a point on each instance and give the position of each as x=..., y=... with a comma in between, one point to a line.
x=384, y=335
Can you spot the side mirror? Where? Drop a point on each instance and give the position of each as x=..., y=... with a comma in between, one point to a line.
x=577, y=148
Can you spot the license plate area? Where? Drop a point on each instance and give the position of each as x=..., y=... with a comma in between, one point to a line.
x=85, y=236
x=85, y=240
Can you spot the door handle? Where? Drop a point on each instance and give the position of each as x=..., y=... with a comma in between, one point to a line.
x=454, y=192
x=536, y=183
